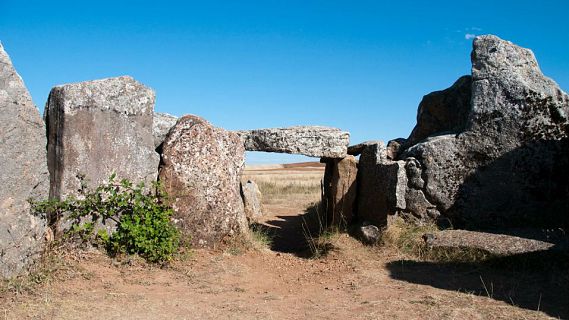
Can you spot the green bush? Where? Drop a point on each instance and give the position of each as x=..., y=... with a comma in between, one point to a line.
x=143, y=221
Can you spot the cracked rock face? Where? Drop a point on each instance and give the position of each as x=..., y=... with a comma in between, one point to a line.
x=201, y=170
x=312, y=141
x=509, y=164
x=97, y=128
x=24, y=173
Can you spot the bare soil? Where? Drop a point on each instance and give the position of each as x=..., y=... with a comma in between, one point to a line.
x=351, y=282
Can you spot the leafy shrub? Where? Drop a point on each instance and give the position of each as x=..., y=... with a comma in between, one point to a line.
x=142, y=220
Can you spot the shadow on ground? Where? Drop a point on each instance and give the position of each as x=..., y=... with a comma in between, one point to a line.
x=287, y=233
x=535, y=281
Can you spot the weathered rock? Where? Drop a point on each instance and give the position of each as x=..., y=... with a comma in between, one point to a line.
x=161, y=125
x=24, y=173
x=369, y=234
x=201, y=168
x=443, y=112
x=357, y=149
x=496, y=244
x=382, y=185
x=340, y=189
x=509, y=165
x=394, y=148
x=312, y=141
x=252, y=199
x=97, y=128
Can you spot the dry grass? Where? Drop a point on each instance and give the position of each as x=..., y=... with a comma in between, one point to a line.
x=406, y=239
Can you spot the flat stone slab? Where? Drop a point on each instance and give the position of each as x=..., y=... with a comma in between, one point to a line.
x=498, y=244
x=312, y=141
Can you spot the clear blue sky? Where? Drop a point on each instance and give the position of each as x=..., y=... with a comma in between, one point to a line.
x=362, y=66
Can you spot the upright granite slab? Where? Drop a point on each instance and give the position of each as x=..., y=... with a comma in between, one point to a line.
x=97, y=128
x=23, y=175
x=312, y=141
x=201, y=171
x=340, y=187
x=382, y=184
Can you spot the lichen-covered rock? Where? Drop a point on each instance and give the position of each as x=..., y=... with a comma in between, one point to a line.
x=201, y=170
x=24, y=172
x=97, y=128
x=252, y=200
x=340, y=190
x=495, y=244
x=382, y=185
x=162, y=123
x=509, y=164
x=312, y=141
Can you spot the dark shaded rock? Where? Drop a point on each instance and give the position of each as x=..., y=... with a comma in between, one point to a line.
x=395, y=147
x=24, y=173
x=161, y=125
x=443, y=112
x=339, y=199
x=357, y=149
x=369, y=234
x=252, y=199
x=201, y=170
x=382, y=184
x=97, y=128
x=312, y=141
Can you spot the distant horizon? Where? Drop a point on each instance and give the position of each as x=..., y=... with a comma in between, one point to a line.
x=361, y=67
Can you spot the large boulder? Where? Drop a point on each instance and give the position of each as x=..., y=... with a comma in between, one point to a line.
x=340, y=189
x=97, y=128
x=509, y=164
x=161, y=125
x=312, y=141
x=24, y=172
x=201, y=169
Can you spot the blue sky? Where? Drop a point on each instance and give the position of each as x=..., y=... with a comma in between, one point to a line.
x=362, y=66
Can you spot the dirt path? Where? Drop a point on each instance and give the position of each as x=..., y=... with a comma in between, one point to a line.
x=351, y=282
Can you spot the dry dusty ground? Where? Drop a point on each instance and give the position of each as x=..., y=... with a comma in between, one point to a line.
x=351, y=282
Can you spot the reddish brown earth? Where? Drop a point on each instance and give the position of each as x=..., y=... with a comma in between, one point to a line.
x=351, y=282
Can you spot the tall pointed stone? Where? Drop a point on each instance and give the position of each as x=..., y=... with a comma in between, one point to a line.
x=24, y=172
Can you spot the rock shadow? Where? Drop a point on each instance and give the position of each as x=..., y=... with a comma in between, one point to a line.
x=292, y=233
x=534, y=281
x=526, y=187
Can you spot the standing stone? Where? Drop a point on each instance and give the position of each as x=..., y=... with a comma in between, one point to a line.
x=312, y=141
x=340, y=189
x=161, y=125
x=509, y=164
x=201, y=170
x=24, y=173
x=97, y=128
x=252, y=199
x=382, y=185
